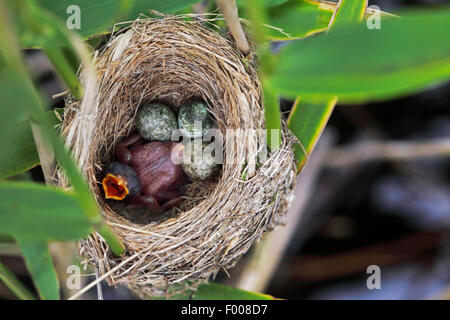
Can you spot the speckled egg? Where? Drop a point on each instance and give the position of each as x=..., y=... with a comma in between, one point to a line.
x=156, y=121
x=197, y=163
x=192, y=113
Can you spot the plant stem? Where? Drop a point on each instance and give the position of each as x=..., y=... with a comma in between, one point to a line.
x=65, y=70
x=45, y=153
x=116, y=245
x=257, y=13
x=303, y=114
x=272, y=117
x=14, y=284
x=387, y=151
x=230, y=12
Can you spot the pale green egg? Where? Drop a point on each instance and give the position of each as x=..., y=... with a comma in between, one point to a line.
x=156, y=121
x=194, y=119
x=198, y=162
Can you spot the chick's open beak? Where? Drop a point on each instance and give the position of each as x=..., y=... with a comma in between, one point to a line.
x=115, y=187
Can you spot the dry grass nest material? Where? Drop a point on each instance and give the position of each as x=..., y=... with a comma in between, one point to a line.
x=174, y=60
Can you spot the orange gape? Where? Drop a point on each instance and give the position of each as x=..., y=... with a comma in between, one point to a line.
x=115, y=187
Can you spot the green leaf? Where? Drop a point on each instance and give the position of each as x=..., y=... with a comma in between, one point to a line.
x=17, y=149
x=15, y=78
x=40, y=264
x=298, y=18
x=215, y=291
x=65, y=70
x=359, y=64
x=11, y=281
x=31, y=211
x=266, y=3
x=272, y=117
x=4, y=238
x=307, y=120
x=212, y=291
x=257, y=13
x=100, y=15
x=309, y=117
x=30, y=102
x=348, y=11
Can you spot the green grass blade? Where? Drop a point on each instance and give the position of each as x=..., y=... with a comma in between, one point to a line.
x=307, y=121
x=297, y=19
x=40, y=265
x=359, y=64
x=257, y=14
x=4, y=238
x=17, y=149
x=272, y=117
x=111, y=239
x=65, y=70
x=348, y=11
x=32, y=211
x=266, y=3
x=308, y=117
x=15, y=77
x=29, y=100
x=52, y=35
x=10, y=280
x=215, y=291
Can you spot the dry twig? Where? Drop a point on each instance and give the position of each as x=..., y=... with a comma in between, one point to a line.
x=387, y=151
x=230, y=13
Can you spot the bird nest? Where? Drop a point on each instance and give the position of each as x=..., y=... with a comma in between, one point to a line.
x=174, y=60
